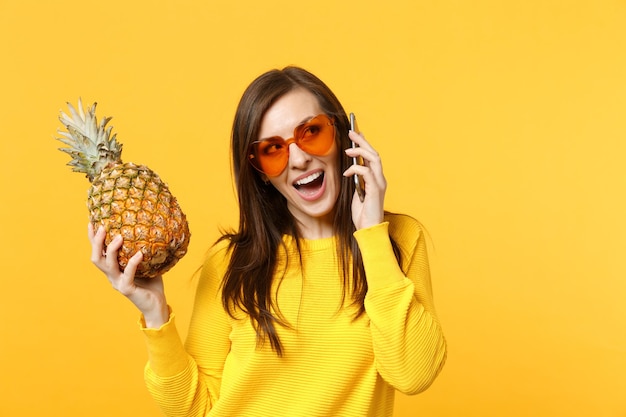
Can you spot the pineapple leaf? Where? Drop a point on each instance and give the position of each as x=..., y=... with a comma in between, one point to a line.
x=90, y=144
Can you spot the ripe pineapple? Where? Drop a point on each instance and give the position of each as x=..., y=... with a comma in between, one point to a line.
x=127, y=199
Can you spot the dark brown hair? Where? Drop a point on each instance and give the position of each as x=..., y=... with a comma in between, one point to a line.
x=263, y=214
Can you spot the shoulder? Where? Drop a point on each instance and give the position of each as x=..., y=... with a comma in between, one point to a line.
x=213, y=268
x=218, y=255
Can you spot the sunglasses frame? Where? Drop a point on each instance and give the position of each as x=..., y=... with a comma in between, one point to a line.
x=298, y=136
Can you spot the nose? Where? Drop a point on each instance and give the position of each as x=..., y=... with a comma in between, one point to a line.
x=297, y=157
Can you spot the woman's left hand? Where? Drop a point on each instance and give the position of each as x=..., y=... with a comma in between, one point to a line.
x=370, y=211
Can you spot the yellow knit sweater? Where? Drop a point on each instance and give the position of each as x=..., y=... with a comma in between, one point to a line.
x=332, y=365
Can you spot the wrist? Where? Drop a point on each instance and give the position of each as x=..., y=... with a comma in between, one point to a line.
x=156, y=317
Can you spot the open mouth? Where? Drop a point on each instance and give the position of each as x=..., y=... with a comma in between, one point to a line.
x=311, y=184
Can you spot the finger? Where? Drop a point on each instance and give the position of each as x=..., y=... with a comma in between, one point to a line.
x=111, y=250
x=372, y=170
x=374, y=180
x=133, y=263
x=126, y=284
x=114, y=245
x=97, y=244
x=356, y=170
x=370, y=157
x=373, y=160
x=365, y=150
x=360, y=140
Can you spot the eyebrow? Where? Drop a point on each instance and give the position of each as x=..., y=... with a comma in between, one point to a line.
x=305, y=120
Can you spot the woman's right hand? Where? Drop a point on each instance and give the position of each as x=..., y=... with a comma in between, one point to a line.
x=147, y=294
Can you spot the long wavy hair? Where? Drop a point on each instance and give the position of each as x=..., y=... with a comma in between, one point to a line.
x=263, y=214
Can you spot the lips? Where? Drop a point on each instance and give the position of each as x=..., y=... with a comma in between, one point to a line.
x=311, y=185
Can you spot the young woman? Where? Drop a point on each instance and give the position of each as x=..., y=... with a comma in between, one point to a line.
x=320, y=304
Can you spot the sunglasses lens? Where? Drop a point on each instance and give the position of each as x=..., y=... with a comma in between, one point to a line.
x=315, y=137
x=271, y=155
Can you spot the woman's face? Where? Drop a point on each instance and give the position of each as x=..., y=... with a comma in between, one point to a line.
x=309, y=183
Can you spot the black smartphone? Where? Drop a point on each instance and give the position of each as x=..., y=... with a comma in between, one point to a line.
x=358, y=179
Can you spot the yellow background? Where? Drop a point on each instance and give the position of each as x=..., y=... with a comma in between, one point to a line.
x=501, y=125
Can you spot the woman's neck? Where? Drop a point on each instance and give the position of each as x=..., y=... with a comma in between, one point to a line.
x=315, y=228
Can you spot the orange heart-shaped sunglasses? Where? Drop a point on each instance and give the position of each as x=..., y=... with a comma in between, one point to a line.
x=271, y=156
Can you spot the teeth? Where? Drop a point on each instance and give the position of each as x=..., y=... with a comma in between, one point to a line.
x=309, y=179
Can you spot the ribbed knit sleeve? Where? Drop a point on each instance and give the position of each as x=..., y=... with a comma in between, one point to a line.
x=185, y=379
x=409, y=345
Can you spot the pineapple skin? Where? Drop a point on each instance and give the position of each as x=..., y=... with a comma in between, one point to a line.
x=132, y=201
